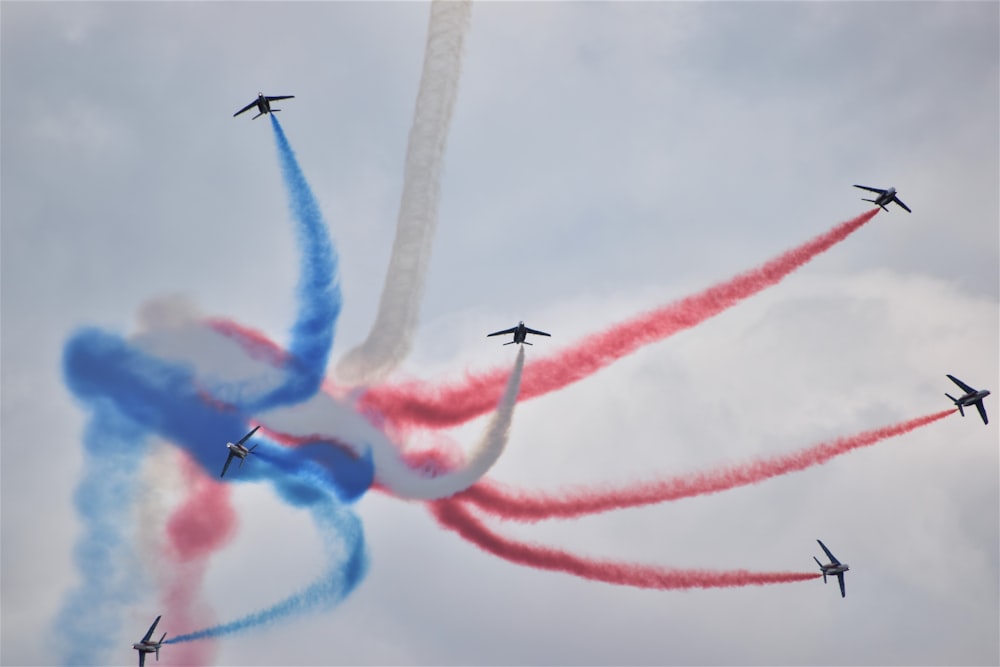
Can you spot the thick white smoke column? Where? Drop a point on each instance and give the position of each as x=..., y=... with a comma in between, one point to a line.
x=403, y=482
x=391, y=336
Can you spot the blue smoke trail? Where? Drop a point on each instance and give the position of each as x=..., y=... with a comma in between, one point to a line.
x=115, y=446
x=341, y=531
x=132, y=394
x=319, y=293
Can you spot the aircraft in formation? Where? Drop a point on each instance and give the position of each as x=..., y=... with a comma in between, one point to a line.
x=146, y=645
x=884, y=197
x=263, y=104
x=834, y=567
x=520, y=333
x=971, y=397
x=239, y=450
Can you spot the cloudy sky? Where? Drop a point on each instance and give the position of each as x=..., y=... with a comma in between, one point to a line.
x=603, y=159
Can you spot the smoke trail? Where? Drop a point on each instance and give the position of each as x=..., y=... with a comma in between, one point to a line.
x=391, y=336
x=105, y=371
x=204, y=523
x=516, y=505
x=452, y=514
x=344, y=542
x=417, y=403
x=494, y=441
x=319, y=294
x=87, y=624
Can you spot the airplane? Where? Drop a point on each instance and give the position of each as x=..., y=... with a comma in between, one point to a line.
x=884, y=197
x=833, y=567
x=239, y=450
x=146, y=646
x=972, y=397
x=520, y=333
x=263, y=104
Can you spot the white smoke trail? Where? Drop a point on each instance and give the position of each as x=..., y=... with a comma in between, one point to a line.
x=391, y=336
x=406, y=484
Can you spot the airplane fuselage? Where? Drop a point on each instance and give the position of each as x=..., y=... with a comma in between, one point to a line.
x=238, y=450
x=833, y=570
x=973, y=398
x=263, y=104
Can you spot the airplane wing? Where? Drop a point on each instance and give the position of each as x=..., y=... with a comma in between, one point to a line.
x=900, y=202
x=865, y=187
x=246, y=108
x=228, y=461
x=966, y=388
x=982, y=411
x=536, y=332
x=272, y=98
x=500, y=333
x=142, y=659
x=149, y=633
x=840, y=578
x=833, y=559
x=247, y=436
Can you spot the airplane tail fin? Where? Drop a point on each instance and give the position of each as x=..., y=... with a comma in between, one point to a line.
x=510, y=343
x=527, y=343
x=820, y=567
x=871, y=200
x=251, y=449
x=955, y=401
x=257, y=116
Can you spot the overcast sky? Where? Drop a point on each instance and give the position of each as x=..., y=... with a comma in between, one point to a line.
x=603, y=159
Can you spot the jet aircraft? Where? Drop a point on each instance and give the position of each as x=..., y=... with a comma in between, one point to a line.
x=147, y=645
x=884, y=197
x=971, y=397
x=263, y=104
x=834, y=567
x=239, y=450
x=520, y=333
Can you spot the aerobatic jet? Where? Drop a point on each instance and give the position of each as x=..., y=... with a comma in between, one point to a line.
x=971, y=397
x=834, y=567
x=263, y=104
x=520, y=333
x=884, y=197
x=147, y=645
x=239, y=450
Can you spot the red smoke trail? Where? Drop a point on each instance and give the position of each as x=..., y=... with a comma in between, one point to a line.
x=452, y=514
x=204, y=523
x=517, y=505
x=418, y=404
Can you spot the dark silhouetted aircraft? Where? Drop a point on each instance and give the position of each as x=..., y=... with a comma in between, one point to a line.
x=263, y=104
x=971, y=397
x=884, y=197
x=239, y=450
x=520, y=333
x=147, y=645
x=834, y=567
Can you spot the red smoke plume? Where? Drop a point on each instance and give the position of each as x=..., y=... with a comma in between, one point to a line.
x=204, y=523
x=419, y=404
x=454, y=515
x=517, y=505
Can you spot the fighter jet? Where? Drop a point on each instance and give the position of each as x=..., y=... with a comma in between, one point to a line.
x=520, y=333
x=972, y=397
x=239, y=450
x=833, y=567
x=884, y=197
x=147, y=646
x=263, y=104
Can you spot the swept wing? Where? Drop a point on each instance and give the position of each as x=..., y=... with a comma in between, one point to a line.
x=840, y=578
x=536, y=332
x=833, y=559
x=865, y=187
x=149, y=633
x=247, y=436
x=505, y=331
x=246, y=108
x=228, y=461
x=966, y=388
x=272, y=98
x=982, y=411
x=900, y=202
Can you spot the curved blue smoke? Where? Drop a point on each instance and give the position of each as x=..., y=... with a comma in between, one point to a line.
x=319, y=296
x=344, y=542
x=132, y=394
